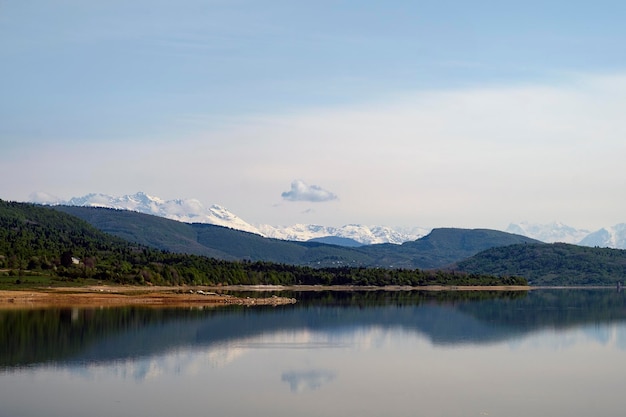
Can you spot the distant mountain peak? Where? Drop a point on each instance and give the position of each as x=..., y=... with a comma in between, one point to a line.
x=606, y=237
x=609, y=237
x=549, y=233
x=363, y=234
x=185, y=210
x=191, y=210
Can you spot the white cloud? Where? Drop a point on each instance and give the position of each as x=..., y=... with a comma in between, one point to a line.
x=301, y=191
x=473, y=157
x=480, y=157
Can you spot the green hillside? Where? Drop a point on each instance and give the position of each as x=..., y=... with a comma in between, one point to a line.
x=213, y=241
x=32, y=237
x=440, y=248
x=479, y=251
x=152, y=231
x=551, y=264
x=41, y=240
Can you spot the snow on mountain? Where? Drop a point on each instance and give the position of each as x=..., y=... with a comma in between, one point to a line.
x=183, y=210
x=140, y=202
x=193, y=211
x=41, y=197
x=611, y=237
x=549, y=233
x=364, y=234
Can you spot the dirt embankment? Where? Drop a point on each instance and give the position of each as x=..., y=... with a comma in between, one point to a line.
x=111, y=296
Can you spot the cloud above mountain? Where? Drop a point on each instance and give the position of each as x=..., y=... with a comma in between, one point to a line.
x=301, y=191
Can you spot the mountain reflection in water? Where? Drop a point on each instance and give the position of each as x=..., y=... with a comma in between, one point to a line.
x=558, y=353
x=445, y=318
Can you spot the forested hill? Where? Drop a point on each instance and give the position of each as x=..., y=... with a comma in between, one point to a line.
x=440, y=248
x=213, y=241
x=551, y=264
x=39, y=239
x=33, y=237
x=148, y=249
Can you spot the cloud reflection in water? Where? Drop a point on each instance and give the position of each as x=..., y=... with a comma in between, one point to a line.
x=313, y=379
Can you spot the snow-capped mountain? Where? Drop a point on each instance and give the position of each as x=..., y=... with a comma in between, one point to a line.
x=193, y=211
x=364, y=234
x=549, y=233
x=183, y=210
x=611, y=237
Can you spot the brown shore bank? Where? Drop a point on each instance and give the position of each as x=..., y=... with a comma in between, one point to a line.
x=114, y=296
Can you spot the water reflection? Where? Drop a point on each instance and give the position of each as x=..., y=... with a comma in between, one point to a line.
x=310, y=379
x=89, y=335
x=552, y=353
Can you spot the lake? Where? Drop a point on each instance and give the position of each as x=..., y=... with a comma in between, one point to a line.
x=411, y=353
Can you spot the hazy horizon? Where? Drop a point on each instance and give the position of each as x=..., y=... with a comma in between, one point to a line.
x=406, y=113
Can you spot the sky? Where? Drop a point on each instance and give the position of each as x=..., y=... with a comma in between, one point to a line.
x=399, y=113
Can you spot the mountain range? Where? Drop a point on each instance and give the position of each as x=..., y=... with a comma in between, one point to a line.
x=193, y=211
x=436, y=250
x=550, y=232
x=607, y=237
x=352, y=235
x=36, y=237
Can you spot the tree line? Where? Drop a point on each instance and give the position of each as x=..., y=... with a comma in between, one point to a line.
x=39, y=239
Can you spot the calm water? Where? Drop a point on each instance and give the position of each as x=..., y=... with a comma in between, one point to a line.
x=546, y=353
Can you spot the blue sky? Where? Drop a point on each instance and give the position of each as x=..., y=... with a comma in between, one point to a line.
x=449, y=113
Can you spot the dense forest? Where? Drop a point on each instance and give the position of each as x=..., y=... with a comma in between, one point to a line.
x=551, y=264
x=42, y=240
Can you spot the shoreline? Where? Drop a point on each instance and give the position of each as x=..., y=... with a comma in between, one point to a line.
x=121, y=296
x=314, y=288
x=199, y=296
x=187, y=296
